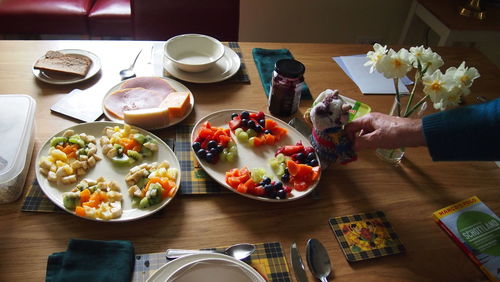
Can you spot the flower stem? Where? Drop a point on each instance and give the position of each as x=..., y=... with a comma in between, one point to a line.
x=410, y=99
x=398, y=98
x=416, y=106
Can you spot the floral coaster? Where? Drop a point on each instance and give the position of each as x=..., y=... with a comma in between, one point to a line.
x=365, y=236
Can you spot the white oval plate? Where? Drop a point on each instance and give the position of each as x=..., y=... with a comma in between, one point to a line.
x=109, y=171
x=207, y=268
x=179, y=87
x=251, y=157
x=94, y=69
x=224, y=68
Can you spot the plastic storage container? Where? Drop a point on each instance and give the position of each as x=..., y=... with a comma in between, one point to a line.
x=17, y=131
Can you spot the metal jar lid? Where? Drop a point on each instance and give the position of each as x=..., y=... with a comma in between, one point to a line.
x=289, y=68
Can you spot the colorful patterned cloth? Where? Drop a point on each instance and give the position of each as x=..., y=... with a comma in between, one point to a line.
x=268, y=259
x=195, y=180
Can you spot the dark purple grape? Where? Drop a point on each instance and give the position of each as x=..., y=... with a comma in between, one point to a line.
x=313, y=162
x=285, y=177
x=210, y=157
x=201, y=153
x=251, y=124
x=245, y=115
x=311, y=156
x=220, y=148
x=233, y=115
x=262, y=122
x=281, y=194
x=212, y=144
x=266, y=180
x=214, y=151
x=267, y=131
x=244, y=122
x=270, y=191
x=259, y=128
x=278, y=186
x=196, y=146
x=300, y=157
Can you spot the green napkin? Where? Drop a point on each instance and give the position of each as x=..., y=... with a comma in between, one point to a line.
x=88, y=260
x=265, y=60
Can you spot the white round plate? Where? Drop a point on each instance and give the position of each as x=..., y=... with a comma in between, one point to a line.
x=224, y=68
x=109, y=171
x=248, y=156
x=179, y=87
x=52, y=79
x=207, y=268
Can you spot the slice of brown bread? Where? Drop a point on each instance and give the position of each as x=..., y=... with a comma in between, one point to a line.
x=55, y=61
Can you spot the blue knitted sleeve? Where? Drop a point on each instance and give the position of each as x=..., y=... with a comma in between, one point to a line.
x=470, y=133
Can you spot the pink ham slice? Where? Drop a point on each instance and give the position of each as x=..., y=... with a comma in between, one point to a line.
x=151, y=83
x=132, y=99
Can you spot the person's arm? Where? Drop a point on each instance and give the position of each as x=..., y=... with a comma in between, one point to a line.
x=376, y=130
x=461, y=134
x=465, y=133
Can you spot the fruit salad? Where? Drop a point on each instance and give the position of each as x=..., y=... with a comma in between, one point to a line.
x=98, y=199
x=214, y=143
x=126, y=145
x=70, y=156
x=255, y=129
x=150, y=184
x=257, y=183
x=296, y=165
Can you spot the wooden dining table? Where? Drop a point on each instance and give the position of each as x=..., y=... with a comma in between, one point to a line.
x=408, y=194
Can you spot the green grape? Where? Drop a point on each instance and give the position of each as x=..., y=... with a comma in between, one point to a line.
x=230, y=157
x=233, y=149
x=258, y=174
x=238, y=131
x=280, y=157
x=243, y=137
x=251, y=141
x=231, y=143
x=223, y=155
x=280, y=170
x=273, y=162
x=251, y=132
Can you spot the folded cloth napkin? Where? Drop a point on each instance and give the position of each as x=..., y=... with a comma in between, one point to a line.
x=265, y=60
x=89, y=260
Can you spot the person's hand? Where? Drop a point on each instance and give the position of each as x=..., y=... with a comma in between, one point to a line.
x=376, y=130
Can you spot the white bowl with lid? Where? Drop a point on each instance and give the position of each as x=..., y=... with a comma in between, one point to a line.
x=17, y=128
x=193, y=52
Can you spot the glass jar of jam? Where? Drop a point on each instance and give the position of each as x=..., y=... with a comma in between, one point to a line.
x=286, y=87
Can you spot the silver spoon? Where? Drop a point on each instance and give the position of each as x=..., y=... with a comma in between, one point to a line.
x=318, y=260
x=129, y=73
x=238, y=251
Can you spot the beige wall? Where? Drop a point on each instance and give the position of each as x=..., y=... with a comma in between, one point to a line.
x=336, y=21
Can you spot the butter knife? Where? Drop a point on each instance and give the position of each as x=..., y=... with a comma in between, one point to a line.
x=297, y=264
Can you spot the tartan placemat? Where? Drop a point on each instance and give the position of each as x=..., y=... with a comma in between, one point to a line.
x=241, y=76
x=37, y=201
x=268, y=259
x=365, y=236
x=196, y=180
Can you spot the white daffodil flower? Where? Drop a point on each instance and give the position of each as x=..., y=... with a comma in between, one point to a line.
x=443, y=89
x=375, y=56
x=464, y=75
x=395, y=64
x=429, y=61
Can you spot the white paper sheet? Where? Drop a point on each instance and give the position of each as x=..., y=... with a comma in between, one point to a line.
x=369, y=83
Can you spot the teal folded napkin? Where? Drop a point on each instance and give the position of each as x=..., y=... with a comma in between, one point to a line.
x=265, y=59
x=89, y=260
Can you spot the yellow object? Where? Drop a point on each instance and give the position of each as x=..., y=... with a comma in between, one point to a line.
x=151, y=118
x=177, y=103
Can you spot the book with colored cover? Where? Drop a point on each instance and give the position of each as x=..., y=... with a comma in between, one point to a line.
x=476, y=230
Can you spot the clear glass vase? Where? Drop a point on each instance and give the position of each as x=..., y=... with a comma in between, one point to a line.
x=394, y=156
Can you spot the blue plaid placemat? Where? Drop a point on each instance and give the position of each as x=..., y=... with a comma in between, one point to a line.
x=268, y=259
x=196, y=180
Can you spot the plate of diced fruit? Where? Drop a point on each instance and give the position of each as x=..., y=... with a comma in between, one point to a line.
x=106, y=171
x=256, y=155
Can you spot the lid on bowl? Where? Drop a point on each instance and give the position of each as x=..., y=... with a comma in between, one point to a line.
x=17, y=114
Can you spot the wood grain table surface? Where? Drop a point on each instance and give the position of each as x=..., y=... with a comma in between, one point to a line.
x=408, y=194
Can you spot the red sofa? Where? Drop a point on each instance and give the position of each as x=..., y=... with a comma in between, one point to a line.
x=76, y=17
